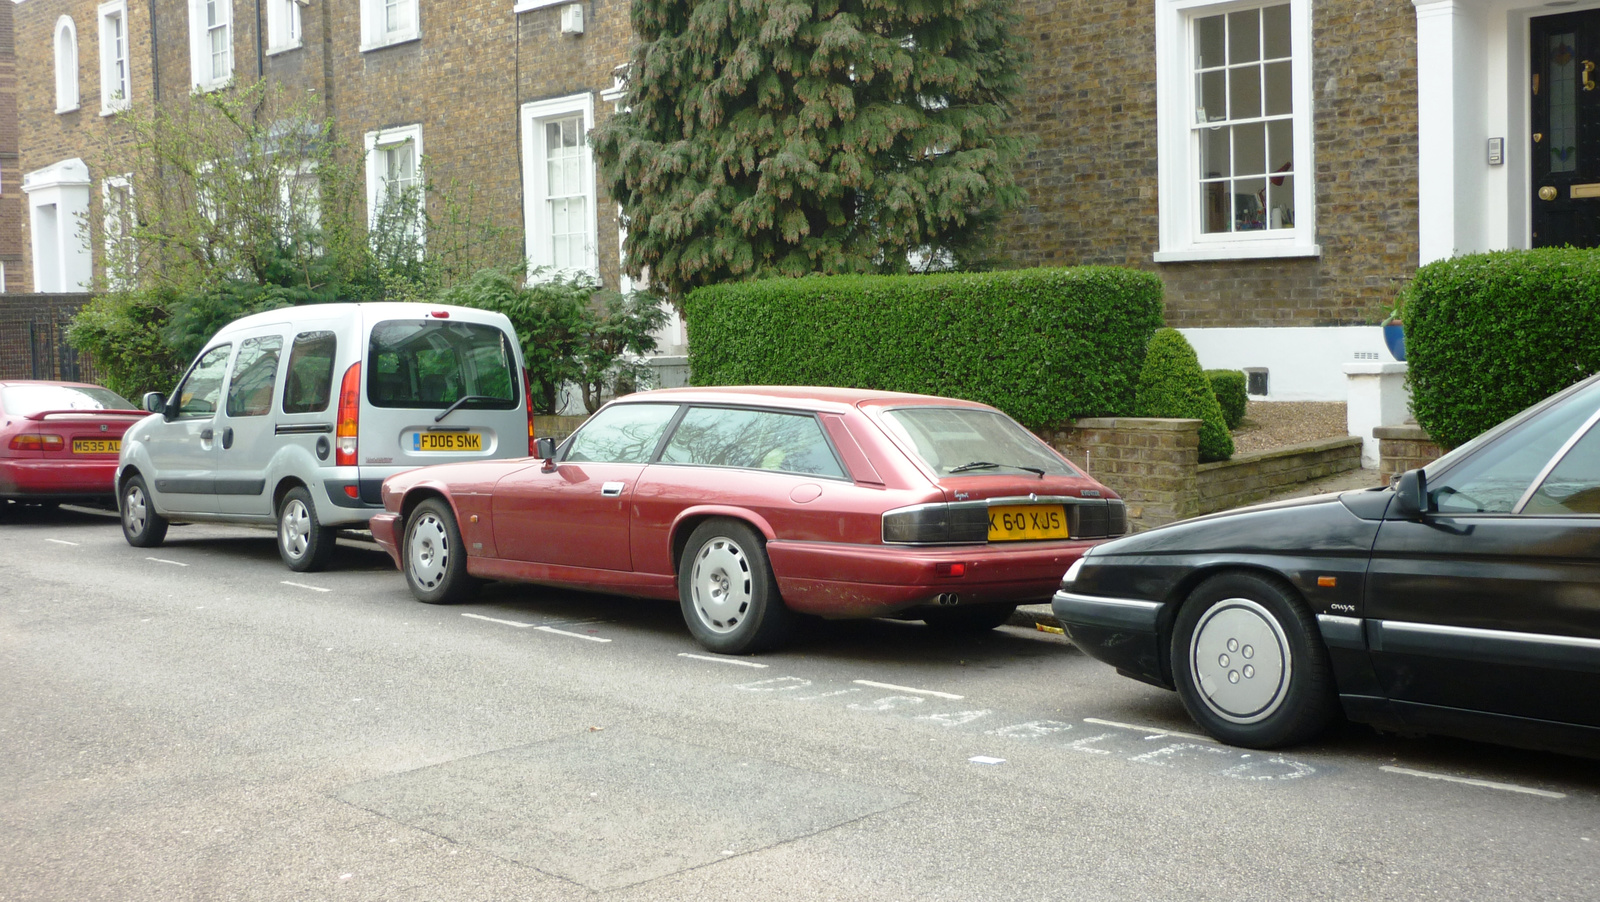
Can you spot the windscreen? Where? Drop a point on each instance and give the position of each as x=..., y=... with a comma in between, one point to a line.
x=22, y=400
x=435, y=363
x=969, y=441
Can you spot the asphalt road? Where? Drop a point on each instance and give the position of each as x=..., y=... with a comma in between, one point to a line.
x=195, y=722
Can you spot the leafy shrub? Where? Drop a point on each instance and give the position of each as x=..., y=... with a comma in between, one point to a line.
x=1490, y=334
x=1230, y=388
x=1043, y=345
x=126, y=339
x=1173, y=385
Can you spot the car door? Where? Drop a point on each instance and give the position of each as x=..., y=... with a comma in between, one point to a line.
x=183, y=447
x=245, y=442
x=1491, y=600
x=577, y=512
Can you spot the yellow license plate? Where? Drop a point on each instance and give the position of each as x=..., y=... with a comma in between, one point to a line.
x=1014, y=523
x=448, y=441
x=96, y=445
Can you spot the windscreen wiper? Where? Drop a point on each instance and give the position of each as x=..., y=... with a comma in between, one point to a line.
x=463, y=400
x=990, y=465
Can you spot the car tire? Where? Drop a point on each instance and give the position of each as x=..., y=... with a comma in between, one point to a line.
x=141, y=525
x=971, y=618
x=433, y=558
x=303, y=542
x=729, y=598
x=1249, y=663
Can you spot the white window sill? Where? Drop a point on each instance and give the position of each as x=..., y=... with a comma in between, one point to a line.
x=1251, y=251
x=67, y=109
x=391, y=42
x=274, y=51
x=208, y=87
x=530, y=5
x=113, y=110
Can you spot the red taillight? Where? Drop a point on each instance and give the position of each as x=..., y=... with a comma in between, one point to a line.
x=344, y=453
x=950, y=569
x=527, y=398
x=35, y=442
x=440, y=314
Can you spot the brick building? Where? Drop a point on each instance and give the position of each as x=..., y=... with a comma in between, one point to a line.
x=11, y=256
x=1284, y=166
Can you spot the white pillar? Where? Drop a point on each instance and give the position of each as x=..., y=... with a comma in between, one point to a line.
x=1378, y=396
x=58, y=215
x=1452, y=129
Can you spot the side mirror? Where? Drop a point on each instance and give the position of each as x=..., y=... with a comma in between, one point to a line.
x=154, y=402
x=545, y=449
x=1411, y=494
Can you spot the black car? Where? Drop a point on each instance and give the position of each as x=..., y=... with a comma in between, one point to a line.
x=1463, y=600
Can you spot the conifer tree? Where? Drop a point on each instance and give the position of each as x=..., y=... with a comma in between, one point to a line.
x=776, y=137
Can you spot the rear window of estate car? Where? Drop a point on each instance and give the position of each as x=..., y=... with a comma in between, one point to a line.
x=970, y=441
x=22, y=400
x=417, y=363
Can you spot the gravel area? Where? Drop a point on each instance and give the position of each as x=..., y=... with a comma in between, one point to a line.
x=1276, y=424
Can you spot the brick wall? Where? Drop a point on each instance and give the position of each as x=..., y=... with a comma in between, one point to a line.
x=1402, y=448
x=1092, y=174
x=1248, y=478
x=32, y=337
x=11, y=255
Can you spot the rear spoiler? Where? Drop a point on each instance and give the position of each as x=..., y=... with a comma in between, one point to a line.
x=90, y=412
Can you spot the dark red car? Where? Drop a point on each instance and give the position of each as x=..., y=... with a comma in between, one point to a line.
x=59, y=441
x=749, y=505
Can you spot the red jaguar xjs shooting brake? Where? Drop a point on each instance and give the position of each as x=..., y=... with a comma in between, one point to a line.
x=750, y=505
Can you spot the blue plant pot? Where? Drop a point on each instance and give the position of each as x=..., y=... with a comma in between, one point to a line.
x=1394, y=335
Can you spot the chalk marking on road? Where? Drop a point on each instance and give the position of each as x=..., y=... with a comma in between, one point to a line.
x=908, y=689
x=162, y=560
x=304, y=586
x=684, y=654
x=514, y=623
x=62, y=542
x=551, y=629
x=1152, y=731
x=1483, y=784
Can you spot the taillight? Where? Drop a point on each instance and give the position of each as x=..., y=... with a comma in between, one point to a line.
x=36, y=442
x=344, y=453
x=937, y=524
x=527, y=398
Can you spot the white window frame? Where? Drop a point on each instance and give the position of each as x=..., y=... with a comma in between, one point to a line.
x=1182, y=238
x=536, y=226
x=202, y=74
x=283, y=26
x=111, y=226
x=116, y=75
x=523, y=6
x=386, y=139
x=65, y=40
x=375, y=32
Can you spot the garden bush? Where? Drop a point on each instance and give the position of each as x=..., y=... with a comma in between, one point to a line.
x=1043, y=345
x=1229, y=387
x=1490, y=334
x=1173, y=385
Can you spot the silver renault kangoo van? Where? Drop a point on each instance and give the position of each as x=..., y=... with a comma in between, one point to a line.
x=294, y=417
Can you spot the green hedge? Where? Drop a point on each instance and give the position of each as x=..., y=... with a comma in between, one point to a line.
x=1044, y=345
x=1490, y=334
x=1232, y=393
x=1173, y=385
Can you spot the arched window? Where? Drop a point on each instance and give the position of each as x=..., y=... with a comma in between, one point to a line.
x=66, y=65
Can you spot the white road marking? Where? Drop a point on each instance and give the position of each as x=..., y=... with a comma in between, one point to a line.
x=1484, y=784
x=551, y=629
x=908, y=689
x=684, y=654
x=1153, y=731
x=985, y=759
x=304, y=586
x=514, y=623
x=62, y=542
x=162, y=560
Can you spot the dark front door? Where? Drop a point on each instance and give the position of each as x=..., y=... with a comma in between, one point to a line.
x=1566, y=129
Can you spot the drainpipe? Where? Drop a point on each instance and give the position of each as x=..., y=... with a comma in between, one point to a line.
x=261, y=60
x=155, y=58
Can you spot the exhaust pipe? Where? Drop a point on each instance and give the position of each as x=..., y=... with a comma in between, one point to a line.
x=949, y=598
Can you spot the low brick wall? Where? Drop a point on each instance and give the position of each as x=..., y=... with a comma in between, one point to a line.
x=1248, y=478
x=1402, y=448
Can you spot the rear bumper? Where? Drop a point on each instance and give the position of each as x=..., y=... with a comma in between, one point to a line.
x=1122, y=632
x=837, y=580
x=58, y=480
x=386, y=532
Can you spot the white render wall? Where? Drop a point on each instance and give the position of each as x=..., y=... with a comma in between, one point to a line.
x=1303, y=363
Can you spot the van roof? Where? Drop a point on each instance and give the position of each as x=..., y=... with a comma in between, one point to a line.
x=325, y=312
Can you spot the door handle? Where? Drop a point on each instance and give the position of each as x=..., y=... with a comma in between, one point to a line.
x=206, y=435
x=611, y=490
x=227, y=438
x=1588, y=83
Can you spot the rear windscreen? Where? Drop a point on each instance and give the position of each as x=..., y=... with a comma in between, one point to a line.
x=433, y=363
x=21, y=400
x=972, y=441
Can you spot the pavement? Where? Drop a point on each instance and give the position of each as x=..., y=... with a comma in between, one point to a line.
x=1040, y=616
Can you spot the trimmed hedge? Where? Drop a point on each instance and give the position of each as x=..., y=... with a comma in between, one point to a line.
x=1232, y=393
x=1173, y=385
x=1043, y=345
x=1489, y=334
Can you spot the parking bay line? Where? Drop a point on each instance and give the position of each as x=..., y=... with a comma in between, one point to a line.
x=543, y=629
x=304, y=586
x=62, y=542
x=1152, y=731
x=684, y=654
x=162, y=560
x=892, y=686
x=1483, y=784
